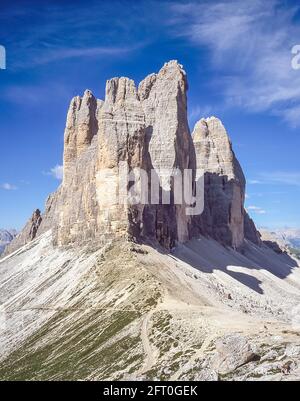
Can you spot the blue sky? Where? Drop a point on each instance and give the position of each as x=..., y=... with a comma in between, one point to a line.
x=237, y=55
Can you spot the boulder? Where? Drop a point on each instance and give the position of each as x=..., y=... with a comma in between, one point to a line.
x=233, y=351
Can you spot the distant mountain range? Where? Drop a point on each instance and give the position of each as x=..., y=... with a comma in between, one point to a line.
x=6, y=236
x=289, y=237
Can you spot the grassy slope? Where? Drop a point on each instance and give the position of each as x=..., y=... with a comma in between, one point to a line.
x=134, y=312
x=94, y=338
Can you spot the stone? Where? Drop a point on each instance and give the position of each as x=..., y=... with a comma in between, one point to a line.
x=81, y=127
x=262, y=371
x=28, y=233
x=6, y=237
x=274, y=246
x=143, y=127
x=121, y=138
x=250, y=231
x=233, y=351
x=270, y=356
x=206, y=375
x=292, y=350
x=288, y=366
x=164, y=103
x=223, y=217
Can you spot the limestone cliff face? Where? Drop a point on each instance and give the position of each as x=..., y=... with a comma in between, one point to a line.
x=28, y=233
x=81, y=127
x=223, y=216
x=72, y=211
x=121, y=145
x=144, y=127
x=164, y=101
x=250, y=231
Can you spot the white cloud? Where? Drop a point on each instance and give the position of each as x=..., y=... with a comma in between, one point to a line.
x=256, y=209
x=282, y=177
x=68, y=53
x=198, y=112
x=56, y=172
x=250, y=45
x=34, y=94
x=278, y=177
x=8, y=187
x=103, y=32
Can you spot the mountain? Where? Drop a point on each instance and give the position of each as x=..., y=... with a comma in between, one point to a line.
x=291, y=236
x=128, y=311
x=286, y=238
x=145, y=264
x=6, y=236
x=143, y=128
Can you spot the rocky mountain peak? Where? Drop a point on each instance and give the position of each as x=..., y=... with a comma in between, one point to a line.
x=119, y=90
x=223, y=216
x=81, y=127
x=147, y=128
x=172, y=67
x=6, y=236
x=215, y=149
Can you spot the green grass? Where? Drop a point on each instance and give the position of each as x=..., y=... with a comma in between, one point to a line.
x=81, y=342
x=91, y=344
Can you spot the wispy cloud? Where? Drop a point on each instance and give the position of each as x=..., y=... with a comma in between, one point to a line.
x=68, y=53
x=57, y=32
x=198, y=111
x=281, y=177
x=277, y=177
x=8, y=187
x=56, y=172
x=256, y=209
x=34, y=94
x=251, y=41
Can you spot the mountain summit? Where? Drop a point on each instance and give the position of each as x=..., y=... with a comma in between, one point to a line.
x=145, y=264
x=145, y=128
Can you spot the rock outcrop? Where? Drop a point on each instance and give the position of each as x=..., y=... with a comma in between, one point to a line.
x=250, y=231
x=223, y=216
x=28, y=233
x=170, y=148
x=143, y=128
x=287, y=238
x=81, y=127
x=6, y=236
x=121, y=147
x=233, y=351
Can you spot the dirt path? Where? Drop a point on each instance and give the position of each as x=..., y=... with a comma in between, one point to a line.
x=150, y=352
